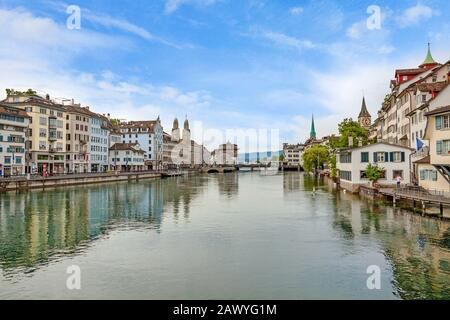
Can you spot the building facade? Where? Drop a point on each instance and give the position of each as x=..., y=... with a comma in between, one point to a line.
x=293, y=155
x=149, y=136
x=46, y=133
x=100, y=144
x=14, y=124
x=127, y=157
x=78, y=138
x=393, y=159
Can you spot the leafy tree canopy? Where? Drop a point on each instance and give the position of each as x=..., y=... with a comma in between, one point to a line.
x=315, y=157
x=12, y=92
x=349, y=128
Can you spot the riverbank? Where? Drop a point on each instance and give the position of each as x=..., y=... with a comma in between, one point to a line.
x=429, y=205
x=23, y=184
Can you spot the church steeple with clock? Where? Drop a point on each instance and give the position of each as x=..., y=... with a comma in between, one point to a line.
x=364, y=118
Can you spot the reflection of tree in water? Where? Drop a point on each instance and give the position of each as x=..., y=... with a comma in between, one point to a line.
x=416, y=247
x=36, y=226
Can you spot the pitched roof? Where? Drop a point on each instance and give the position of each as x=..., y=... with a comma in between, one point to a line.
x=364, y=112
x=139, y=124
x=126, y=147
x=407, y=72
x=8, y=110
x=425, y=160
x=375, y=144
x=438, y=111
x=81, y=110
x=432, y=87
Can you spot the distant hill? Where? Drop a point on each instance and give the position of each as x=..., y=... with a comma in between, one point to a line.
x=263, y=156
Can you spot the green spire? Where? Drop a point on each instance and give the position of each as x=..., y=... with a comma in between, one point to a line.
x=429, y=59
x=312, y=134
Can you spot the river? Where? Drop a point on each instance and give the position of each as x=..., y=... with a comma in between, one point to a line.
x=232, y=236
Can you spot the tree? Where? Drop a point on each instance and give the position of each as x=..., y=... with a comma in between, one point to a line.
x=29, y=92
x=315, y=157
x=332, y=165
x=349, y=128
x=281, y=158
x=374, y=173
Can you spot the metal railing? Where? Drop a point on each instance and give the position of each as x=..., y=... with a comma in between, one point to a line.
x=418, y=192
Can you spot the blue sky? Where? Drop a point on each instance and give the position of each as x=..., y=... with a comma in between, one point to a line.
x=229, y=64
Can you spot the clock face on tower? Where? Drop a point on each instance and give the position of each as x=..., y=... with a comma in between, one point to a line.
x=365, y=122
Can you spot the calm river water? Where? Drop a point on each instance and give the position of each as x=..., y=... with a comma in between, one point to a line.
x=236, y=236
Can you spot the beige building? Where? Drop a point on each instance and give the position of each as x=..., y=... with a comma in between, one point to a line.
x=434, y=170
x=78, y=131
x=293, y=155
x=127, y=157
x=393, y=124
x=46, y=134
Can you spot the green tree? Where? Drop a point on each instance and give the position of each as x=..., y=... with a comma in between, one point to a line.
x=349, y=128
x=332, y=165
x=29, y=92
x=315, y=157
x=374, y=173
x=281, y=158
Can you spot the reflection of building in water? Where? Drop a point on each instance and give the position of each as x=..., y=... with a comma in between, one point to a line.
x=228, y=184
x=35, y=226
x=414, y=245
x=291, y=182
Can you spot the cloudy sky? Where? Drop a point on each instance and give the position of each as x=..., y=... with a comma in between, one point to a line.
x=227, y=63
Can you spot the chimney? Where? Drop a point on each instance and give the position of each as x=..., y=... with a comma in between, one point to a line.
x=360, y=142
x=87, y=108
x=47, y=97
x=350, y=142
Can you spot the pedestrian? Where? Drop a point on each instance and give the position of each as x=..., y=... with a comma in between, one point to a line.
x=399, y=181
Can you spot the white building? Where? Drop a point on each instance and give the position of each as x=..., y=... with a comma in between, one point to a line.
x=226, y=154
x=127, y=157
x=393, y=159
x=99, y=143
x=149, y=136
x=13, y=128
x=293, y=155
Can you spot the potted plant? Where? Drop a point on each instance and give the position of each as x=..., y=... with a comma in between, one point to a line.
x=374, y=173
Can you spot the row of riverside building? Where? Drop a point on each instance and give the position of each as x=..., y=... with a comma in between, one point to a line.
x=410, y=138
x=40, y=136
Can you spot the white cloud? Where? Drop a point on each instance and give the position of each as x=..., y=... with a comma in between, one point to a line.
x=356, y=30
x=285, y=40
x=173, y=5
x=414, y=15
x=295, y=11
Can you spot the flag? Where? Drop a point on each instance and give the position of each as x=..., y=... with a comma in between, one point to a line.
x=419, y=144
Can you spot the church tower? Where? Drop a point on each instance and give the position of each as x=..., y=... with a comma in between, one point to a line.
x=312, y=134
x=175, y=131
x=186, y=132
x=364, y=118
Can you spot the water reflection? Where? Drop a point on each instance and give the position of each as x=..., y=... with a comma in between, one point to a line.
x=416, y=246
x=238, y=226
x=36, y=227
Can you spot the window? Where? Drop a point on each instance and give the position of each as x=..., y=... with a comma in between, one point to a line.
x=364, y=157
x=443, y=147
x=396, y=157
x=397, y=173
x=363, y=175
x=380, y=156
x=430, y=175
x=345, y=158
x=42, y=121
x=346, y=175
